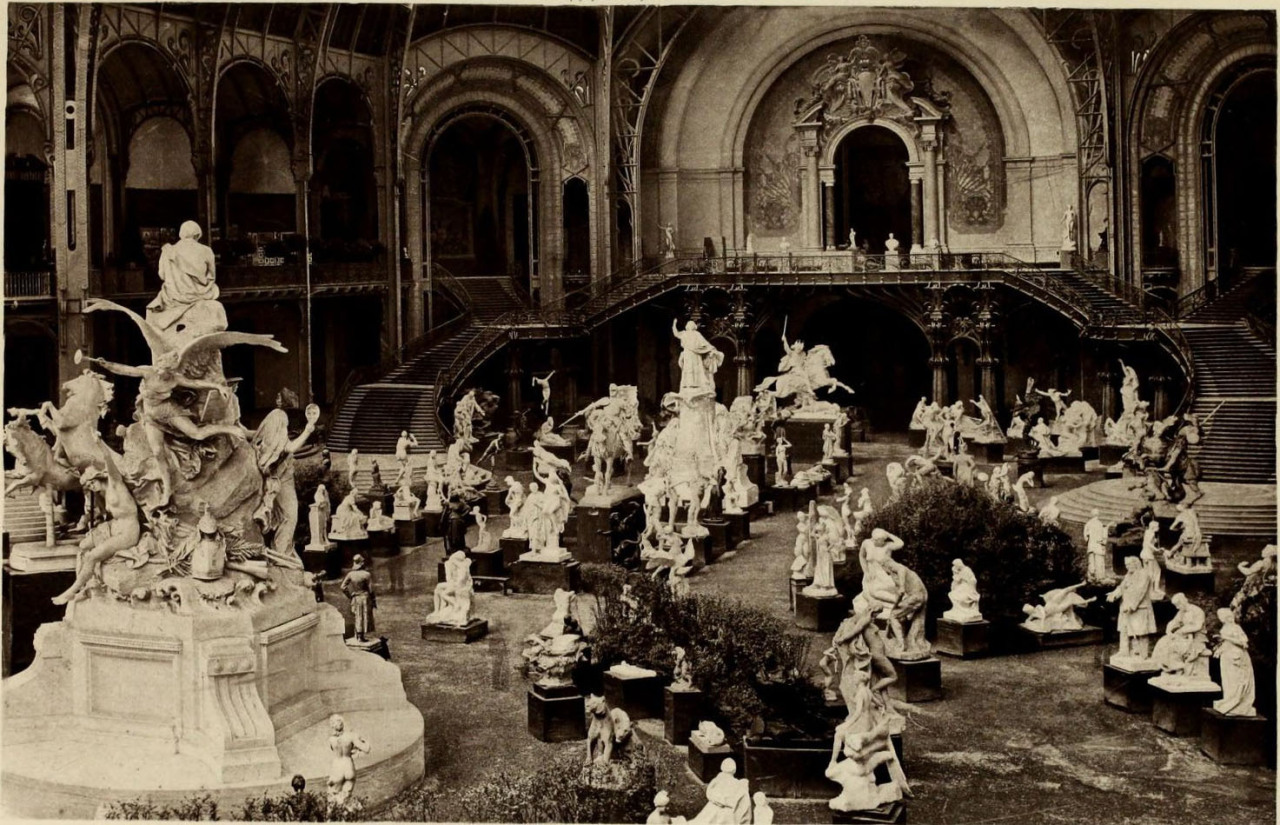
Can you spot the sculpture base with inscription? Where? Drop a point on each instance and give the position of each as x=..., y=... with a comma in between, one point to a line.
x=191, y=691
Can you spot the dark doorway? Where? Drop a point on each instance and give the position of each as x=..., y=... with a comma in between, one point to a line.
x=964, y=376
x=873, y=192
x=1159, y=213
x=479, y=184
x=577, y=232
x=1245, y=158
x=31, y=367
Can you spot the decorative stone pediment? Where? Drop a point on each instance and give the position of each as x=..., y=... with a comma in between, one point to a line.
x=867, y=83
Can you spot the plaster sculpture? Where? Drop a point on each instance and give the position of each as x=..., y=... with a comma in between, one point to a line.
x=353, y=466
x=348, y=521
x=552, y=653
x=1232, y=653
x=318, y=518
x=516, y=527
x=344, y=745
x=860, y=644
x=1190, y=553
x=1058, y=611
x=358, y=587
x=1183, y=652
x=831, y=533
x=1057, y=397
x=659, y=815
x=860, y=516
x=544, y=386
x=407, y=506
x=761, y=810
x=379, y=522
x=484, y=541
x=1096, y=533
x=464, y=414
x=614, y=425
x=682, y=673
x=608, y=731
x=406, y=441
x=890, y=585
x=1137, y=619
x=1020, y=494
x=821, y=566
x=451, y=602
x=1131, y=426
x=1150, y=552
x=544, y=514
x=782, y=462
x=668, y=240
x=547, y=436
x=963, y=466
x=985, y=429
x=1069, y=229
x=279, y=510
x=699, y=361
x=802, y=566
x=1051, y=513
x=917, y=415
x=708, y=734
x=728, y=799
x=1017, y=426
x=801, y=375
x=1076, y=428
x=963, y=595
x=897, y=476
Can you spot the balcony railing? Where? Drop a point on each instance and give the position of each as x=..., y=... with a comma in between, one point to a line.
x=107, y=282
x=28, y=284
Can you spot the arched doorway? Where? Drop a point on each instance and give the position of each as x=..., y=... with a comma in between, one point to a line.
x=26, y=192
x=254, y=142
x=1240, y=133
x=343, y=186
x=577, y=233
x=873, y=189
x=479, y=183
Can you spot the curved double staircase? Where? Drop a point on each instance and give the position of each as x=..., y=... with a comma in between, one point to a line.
x=1222, y=361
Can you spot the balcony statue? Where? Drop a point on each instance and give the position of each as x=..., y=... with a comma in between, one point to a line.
x=544, y=385
x=668, y=240
x=1069, y=229
x=187, y=306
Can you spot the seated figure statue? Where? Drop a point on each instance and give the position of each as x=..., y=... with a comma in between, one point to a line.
x=964, y=594
x=452, y=599
x=1183, y=652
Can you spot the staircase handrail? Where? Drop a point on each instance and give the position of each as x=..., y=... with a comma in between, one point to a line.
x=441, y=277
x=1209, y=292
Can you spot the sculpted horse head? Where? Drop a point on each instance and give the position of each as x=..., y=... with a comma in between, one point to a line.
x=35, y=459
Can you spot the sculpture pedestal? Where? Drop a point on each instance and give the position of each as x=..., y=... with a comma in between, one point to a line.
x=1042, y=640
x=796, y=586
x=512, y=550
x=1062, y=464
x=785, y=499
x=739, y=527
x=516, y=461
x=705, y=762
x=755, y=468
x=545, y=577
x=821, y=613
x=596, y=539
x=792, y=768
x=412, y=533
x=640, y=696
x=1109, y=454
x=805, y=435
x=987, y=452
x=324, y=560
x=493, y=501
x=1127, y=689
x=557, y=713
x=965, y=640
x=1178, y=710
x=433, y=521
x=37, y=557
x=178, y=697
x=1191, y=582
x=718, y=530
x=1236, y=740
x=703, y=551
x=378, y=647
x=384, y=543
x=894, y=813
x=456, y=634
x=919, y=680
x=681, y=708
x=350, y=548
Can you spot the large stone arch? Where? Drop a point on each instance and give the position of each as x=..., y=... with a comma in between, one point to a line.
x=555, y=123
x=1166, y=115
x=1003, y=51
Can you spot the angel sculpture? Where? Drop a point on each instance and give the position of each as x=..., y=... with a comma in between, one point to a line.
x=183, y=396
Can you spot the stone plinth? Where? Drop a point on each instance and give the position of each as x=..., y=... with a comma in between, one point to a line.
x=516, y=461
x=492, y=504
x=1127, y=689
x=378, y=646
x=1178, y=710
x=557, y=714
x=1191, y=582
x=986, y=452
x=486, y=564
x=434, y=523
x=682, y=709
x=796, y=586
x=821, y=613
x=37, y=557
x=756, y=467
x=1236, y=740
x=176, y=697
x=1109, y=454
x=965, y=640
x=794, y=769
x=384, y=543
x=27, y=605
x=1042, y=640
x=739, y=527
x=785, y=499
x=892, y=813
x=703, y=552
x=456, y=634
x=350, y=548
x=412, y=533
x=324, y=560
x=919, y=680
x=545, y=576
x=718, y=532
x=596, y=538
x=640, y=696
x=512, y=550
x=705, y=761
x=1063, y=464
x=805, y=435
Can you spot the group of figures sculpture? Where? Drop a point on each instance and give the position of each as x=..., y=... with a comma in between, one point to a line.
x=539, y=513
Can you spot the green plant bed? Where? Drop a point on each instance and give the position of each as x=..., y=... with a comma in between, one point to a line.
x=1015, y=556
x=748, y=665
x=303, y=806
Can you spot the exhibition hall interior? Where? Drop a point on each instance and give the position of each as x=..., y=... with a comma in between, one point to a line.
x=639, y=413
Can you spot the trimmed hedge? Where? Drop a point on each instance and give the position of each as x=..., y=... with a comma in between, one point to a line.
x=1015, y=556
x=285, y=807
x=750, y=668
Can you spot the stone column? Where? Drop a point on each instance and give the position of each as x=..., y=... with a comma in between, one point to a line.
x=515, y=376
x=1108, y=395
x=938, y=362
x=69, y=190
x=930, y=186
x=917, y=217
x=1160, y=400
x=746, y=372
x=415, y=320
x=829, y=214
x=987, y=365
x=810, y=187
